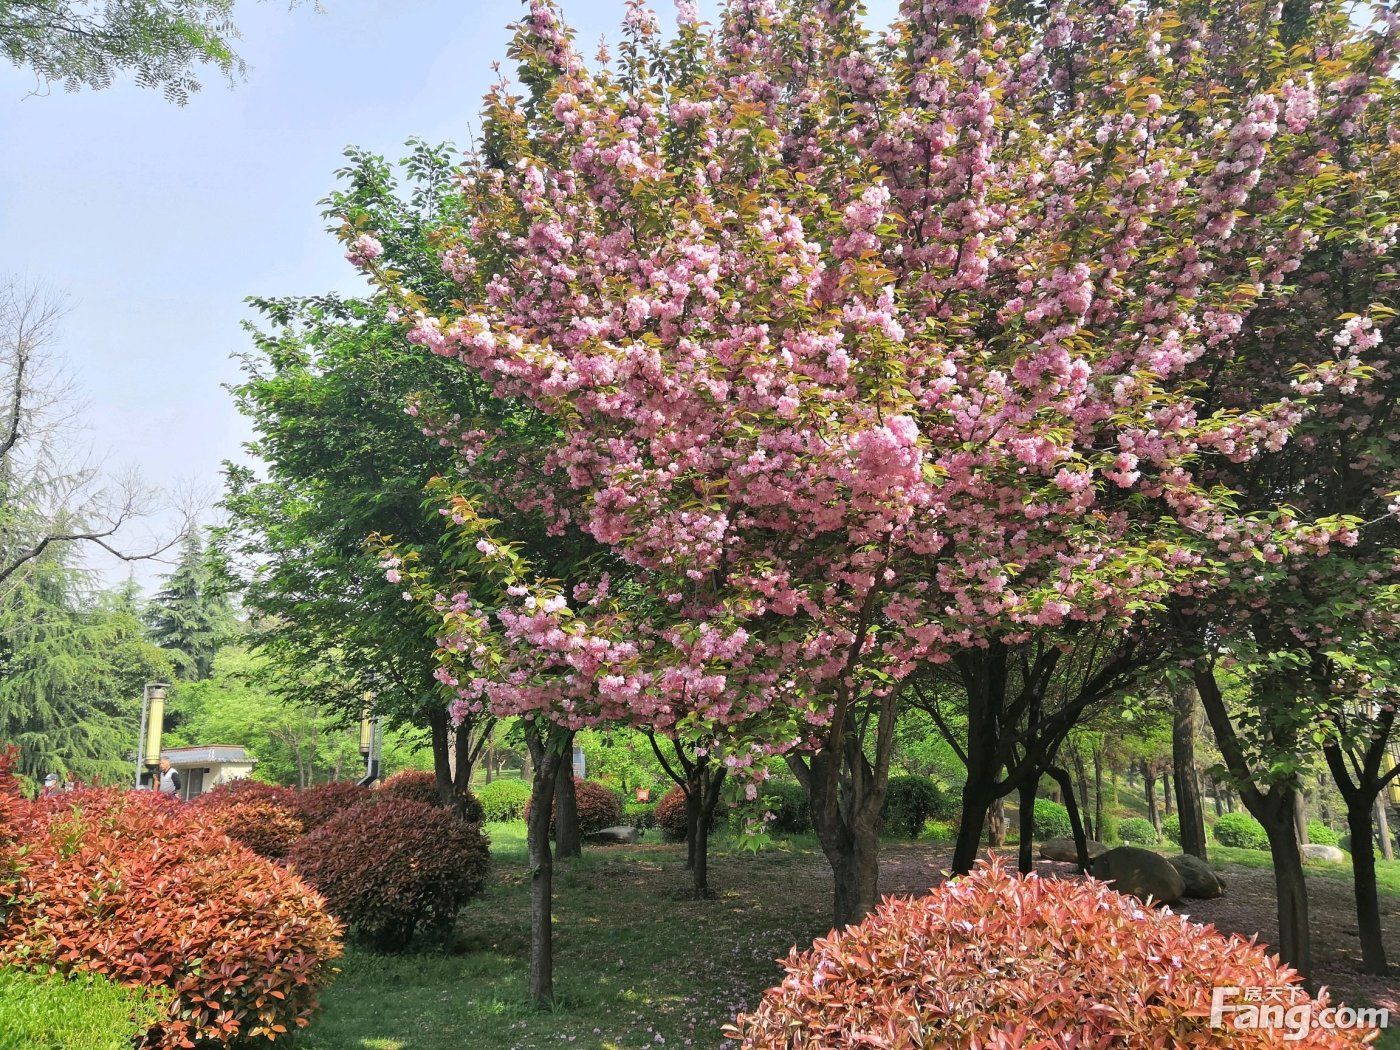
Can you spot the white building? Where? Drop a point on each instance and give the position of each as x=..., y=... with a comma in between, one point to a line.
x=205, y=766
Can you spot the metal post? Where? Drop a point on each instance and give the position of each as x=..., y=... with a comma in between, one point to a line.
x=147, y=690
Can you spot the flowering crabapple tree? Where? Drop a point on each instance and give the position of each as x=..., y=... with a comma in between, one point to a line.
x=870, y=350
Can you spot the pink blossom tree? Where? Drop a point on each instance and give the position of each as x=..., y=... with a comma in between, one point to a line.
x=866, y=351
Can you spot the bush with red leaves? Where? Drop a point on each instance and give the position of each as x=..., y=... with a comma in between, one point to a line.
x=137, y=888
x=392, y=868
x=245, y=789
x=996, y=959
x=10, y=798
x=599, y=806
x=670, y=815
x=316, y=805
x=264, y=825
x=422, y=787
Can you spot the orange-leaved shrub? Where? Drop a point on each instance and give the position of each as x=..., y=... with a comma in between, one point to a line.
x=246, y=789
x=264, y=825
x=395, y=867
x=316, y=805
x=997, y=959
x=10, y=800
x=138, y=888
x=599, y=806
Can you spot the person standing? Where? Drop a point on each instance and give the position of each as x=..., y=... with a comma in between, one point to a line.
x=169, y=782
x=51, y=786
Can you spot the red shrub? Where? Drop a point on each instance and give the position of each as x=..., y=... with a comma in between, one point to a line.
x=994, y=959
x=137, y=888
x=393, y=867
x=599, y=806
x=10, y=798
x=670, y=815
x=245, y=789
x=413, y=784
x=265, y=826
x=316, y=805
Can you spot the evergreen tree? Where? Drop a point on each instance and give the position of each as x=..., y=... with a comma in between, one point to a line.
x=190, y=615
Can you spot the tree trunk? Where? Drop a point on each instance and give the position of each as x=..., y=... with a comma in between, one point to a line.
x=710, y=781
x=1149, y=796
x=1081, y=777
x=1216, y=796
x=442, y=755
x=1300, y=817
x=1363, y=881
x=1167, y=793
x=1025, y=857
x=692, y=825
x=546, y=756
x=1294, y=934
x=976, y=812
x=1098, y=792
x=464, y=758
x=1188, y=789
x=1383, y=828
x=1076, y=821
x=567, y=843
x=996, y=824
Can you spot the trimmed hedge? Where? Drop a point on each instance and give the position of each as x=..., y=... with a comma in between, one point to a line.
x=138, y=888
x=396, y=867
x=910, y=801
x=316, y=805
x=994, y=959
x=53, y=1012
x=1137, y=831
x=421, y=786
x=504, y=800
x=1051, y=820
x=1241, y=831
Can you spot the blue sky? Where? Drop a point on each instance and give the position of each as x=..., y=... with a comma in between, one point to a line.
x=157, y=220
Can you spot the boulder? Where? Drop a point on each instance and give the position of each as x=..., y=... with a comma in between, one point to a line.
x=1140, y=872
x=620, y=835
x=1318, y=853
x=1063, y=850
x=1202, y=881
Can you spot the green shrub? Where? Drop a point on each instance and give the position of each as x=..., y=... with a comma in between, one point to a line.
x=1321, y=834
x=787, y=802
x=52, y=1012
x=503, y=800
x=1171, y=827
x=639, y=814
x=1108, y=832
x=909, y=802
x=1241, y=831
x=1051, y=820
x=940, y=831
x=1137, y=831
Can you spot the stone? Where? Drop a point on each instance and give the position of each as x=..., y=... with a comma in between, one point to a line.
x=1141, y=873
x=1063, y=850
x=620, y=835
x=1318, y=853
x=1202, y=881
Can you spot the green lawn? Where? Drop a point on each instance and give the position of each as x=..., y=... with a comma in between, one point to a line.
x=636, y=966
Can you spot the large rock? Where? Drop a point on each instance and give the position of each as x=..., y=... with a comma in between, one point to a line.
x=619, y=835
x=1202, y=881
x=1063, y=850
x=1140, y=872
x=1316, y=852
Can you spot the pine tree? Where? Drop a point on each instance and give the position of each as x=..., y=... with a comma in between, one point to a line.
x=190, y=615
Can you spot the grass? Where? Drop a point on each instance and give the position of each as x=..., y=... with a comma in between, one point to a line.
x=1387, y=871
x=56, y=1013
x=635, y=965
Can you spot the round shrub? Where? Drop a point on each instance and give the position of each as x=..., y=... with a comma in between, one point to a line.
x=245, y=789
x=1051, y=820
x=1171, y=827
x=909, y=802
x=670, y=815
x=503, y=800
x=137, y=888
x=415, y=784
x=1321, y=834
x=1137, y=831
x=316, y=805
x=994, y=959
x=599, y=806
x=940, y=831
x=391, y=869
x=265, y=826
x=792, y=812
x=1241, y=831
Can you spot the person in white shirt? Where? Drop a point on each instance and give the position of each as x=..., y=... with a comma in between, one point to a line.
x=169, y=783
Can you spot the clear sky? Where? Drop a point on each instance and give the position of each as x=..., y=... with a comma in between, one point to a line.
x=157, y=220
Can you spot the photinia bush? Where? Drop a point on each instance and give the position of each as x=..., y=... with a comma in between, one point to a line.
x=139, y=889
x=671, y=816
x=998, y=960
x=421, y=786
x=599, y=806
x=264, y=825
x=389, y=869
x=316, y=805
x=246, y=789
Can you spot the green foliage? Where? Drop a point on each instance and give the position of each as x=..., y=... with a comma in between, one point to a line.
x=190, y=615
x=1321, y=834
x=52, y=1012
x=909, y=802
x=787, y=801
x=1137, y=831
x=622, y=758
x=504, y=800
x=1241, y=831
x=940, y=831
x=1171, y=827
x=1051, y=820
x=87, y=43
x=639, y=814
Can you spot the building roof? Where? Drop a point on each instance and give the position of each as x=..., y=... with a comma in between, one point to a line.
x=207, y=754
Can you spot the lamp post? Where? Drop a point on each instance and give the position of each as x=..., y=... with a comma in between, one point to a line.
x=371, y=744
x=152, y=726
